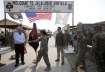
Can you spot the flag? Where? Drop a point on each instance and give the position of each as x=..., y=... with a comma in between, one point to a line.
x=15, y=16
x=62, y=18
x=38, y=16
x=34, y=31
x=33, y=36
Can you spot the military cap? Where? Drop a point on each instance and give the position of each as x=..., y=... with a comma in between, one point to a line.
x=98, y=27
x=79, y=31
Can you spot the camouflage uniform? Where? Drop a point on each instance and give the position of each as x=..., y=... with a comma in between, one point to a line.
x=1, y=64
x=89, y=37
x=43, y=50
x=11, y=41
x=7, y=38
x=81, y=47
x=98, y=48
x=66, y=39
x=0, y=57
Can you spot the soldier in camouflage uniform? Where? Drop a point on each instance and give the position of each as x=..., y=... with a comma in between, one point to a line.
x=98, y=48
x=66, y=39
x=1, y=64
x=7, y=38
x=43, y=52
x=81, y=47
x=11, y=41
x=89, y=37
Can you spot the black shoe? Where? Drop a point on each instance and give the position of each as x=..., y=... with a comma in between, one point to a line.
x=16, y=65
x=57, y=60
x=2, y=64
x=62, y=63
x=74, y=51
x=23, y=63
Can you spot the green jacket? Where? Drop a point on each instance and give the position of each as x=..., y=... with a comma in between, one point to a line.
x=59, y=39
x=81, y=45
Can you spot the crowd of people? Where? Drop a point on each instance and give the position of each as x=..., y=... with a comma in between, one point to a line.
x=95, y=38
x=6, y=40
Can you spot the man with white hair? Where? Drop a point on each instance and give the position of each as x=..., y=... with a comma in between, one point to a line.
x=19, y=39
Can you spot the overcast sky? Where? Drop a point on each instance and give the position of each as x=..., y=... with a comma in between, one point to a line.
x=85, y=11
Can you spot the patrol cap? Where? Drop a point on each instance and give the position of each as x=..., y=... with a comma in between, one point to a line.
x=79, y=31
x=97, y=27
x=88, y=28
x=44, y=32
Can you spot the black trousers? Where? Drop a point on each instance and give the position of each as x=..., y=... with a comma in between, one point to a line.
x=0, y=56
x=19, y=50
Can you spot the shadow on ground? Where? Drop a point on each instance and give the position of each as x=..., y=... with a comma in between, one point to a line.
x=8, y=68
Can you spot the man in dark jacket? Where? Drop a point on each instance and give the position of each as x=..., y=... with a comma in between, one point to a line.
x=59, y=42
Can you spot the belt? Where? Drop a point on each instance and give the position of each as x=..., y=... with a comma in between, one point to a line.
x=19, y=44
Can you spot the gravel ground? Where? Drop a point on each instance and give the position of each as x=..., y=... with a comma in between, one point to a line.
x=90, y=65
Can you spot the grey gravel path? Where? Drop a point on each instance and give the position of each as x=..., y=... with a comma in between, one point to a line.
x=90, y=65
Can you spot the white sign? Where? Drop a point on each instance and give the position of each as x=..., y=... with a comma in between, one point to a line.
x=39, y=6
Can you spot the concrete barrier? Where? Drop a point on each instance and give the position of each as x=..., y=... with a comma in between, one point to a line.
x=4, y=50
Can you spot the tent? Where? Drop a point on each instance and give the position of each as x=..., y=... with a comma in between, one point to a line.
x=12, y=25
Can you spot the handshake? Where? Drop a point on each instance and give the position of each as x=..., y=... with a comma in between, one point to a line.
x=32, y=41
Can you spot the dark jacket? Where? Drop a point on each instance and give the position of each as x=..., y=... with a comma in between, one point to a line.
x=59, y=39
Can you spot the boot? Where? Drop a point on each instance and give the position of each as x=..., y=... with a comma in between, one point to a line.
x=82, y=66
x=73, y=67
x=57, y=60
x=62, y=63
x=2, y=64
x=35, y=63
x=47, y=69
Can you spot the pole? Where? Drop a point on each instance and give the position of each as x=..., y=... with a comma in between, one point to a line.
x=73, y=15
x=5, y=29
x=73, y=19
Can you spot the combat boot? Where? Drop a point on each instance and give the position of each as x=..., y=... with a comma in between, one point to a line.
x=74, y=68
x=82, y=66
x=35, y=63
x=47, y=69
x=62, y=63
x=75, y=71
x=2, y=64
x=57, y=60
